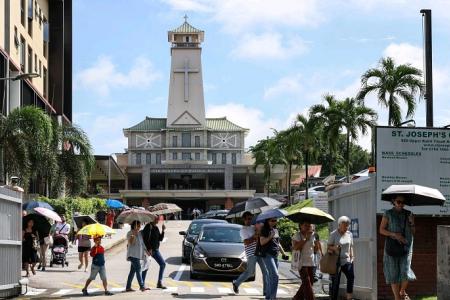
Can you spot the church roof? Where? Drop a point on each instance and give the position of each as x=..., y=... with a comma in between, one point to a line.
x=186, y=28
x=212, y=124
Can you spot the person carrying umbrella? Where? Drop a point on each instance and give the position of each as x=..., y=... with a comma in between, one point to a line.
x=84, y=246
x=134, y=255
x=156, y=238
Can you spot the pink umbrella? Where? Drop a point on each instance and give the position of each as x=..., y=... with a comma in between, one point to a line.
x=48, y=213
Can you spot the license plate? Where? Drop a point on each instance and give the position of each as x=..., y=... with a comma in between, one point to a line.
x=223, y=266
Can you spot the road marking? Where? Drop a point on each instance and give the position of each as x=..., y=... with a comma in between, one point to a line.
x=251, y=291
x=34, y=292
x=225, y=284
x=282, y=292
x=62, y=292
x=114, y=284
x=197, y=289
x=171, y=289
x=97, y=285
x=180, y=272
x=78, y=286
x=188, y=283
x=92, y=290
x=246, y=285
x=284, y=286
x=117, y=289
x=225, y=290
x=208, y=284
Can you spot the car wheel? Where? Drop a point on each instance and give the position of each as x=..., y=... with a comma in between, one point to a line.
x=193, y=275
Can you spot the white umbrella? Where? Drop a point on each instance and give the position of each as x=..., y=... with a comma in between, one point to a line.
x=415, y=195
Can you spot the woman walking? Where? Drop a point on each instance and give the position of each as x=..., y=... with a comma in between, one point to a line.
x=145, y=263
x=30, y=244
x=134, y=255
x=156, y=238
x=84, y=247
x=341, y=241
x=398, y=224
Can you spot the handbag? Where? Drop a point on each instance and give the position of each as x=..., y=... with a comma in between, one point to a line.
x=259, y=250
x=329, y=263
x=295, y=262
x=394, y=248
x=48, y=240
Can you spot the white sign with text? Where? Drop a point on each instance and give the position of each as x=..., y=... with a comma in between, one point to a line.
x=413, y=156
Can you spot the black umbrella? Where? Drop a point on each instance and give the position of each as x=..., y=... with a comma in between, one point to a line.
x=415, y=195
x=253, y=205
x=79, y=221
x=41, y=224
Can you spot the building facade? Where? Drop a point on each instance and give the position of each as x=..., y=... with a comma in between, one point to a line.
x=36, y=37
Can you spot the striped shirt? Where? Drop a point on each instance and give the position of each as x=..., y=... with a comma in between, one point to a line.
x=246, y=233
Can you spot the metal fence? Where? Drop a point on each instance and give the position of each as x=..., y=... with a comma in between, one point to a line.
x=10, y=242
x=357, y=201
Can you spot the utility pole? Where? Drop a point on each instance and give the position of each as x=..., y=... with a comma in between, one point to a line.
x=426, y=15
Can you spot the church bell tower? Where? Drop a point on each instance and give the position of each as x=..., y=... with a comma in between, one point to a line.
x=186, y=102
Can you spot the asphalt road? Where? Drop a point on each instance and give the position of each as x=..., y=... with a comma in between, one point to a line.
x=67, y=283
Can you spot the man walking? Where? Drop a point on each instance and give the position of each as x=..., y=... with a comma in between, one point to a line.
x=250, y=237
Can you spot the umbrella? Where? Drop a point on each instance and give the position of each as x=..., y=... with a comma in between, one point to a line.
x=79, y=221
x=112, y=203
x=41, y=224
x=164, y=208
x=253, y=205
x=48, y=213
x=128, y=216
x=415, y=195
x=32, y=204
x=95, y=230
x=312, y=215
x=271, y=214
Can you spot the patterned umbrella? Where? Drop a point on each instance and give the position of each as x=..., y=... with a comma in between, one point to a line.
x=128, y=216
x=48, y=213
x=164, y=208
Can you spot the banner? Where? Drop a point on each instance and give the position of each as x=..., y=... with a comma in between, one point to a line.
x=413, y=156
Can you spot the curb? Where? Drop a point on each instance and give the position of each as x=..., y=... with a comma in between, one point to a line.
x=116, y=243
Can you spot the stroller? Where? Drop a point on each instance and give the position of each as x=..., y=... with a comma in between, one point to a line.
x=59, y=250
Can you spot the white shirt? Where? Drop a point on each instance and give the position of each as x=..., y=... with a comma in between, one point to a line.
x=307, y=252
x=246, y=233
x=62, y=228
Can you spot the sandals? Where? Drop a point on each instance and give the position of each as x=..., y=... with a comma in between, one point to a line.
x=404, y=296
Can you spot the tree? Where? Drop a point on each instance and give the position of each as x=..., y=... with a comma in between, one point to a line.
x=393, y=83
x=354, y=117
x=265, y=154
x=288, y=144
x=310, y=131
x=328, y=116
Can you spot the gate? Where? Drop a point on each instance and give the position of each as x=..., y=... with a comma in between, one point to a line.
x=10, y=242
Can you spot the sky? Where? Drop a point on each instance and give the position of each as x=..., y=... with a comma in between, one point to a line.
x=264, y=61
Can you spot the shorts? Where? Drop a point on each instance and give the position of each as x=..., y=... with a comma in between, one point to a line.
x=83, y=249
x=96, y=270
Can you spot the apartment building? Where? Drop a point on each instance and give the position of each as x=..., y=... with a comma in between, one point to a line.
x=36, y=37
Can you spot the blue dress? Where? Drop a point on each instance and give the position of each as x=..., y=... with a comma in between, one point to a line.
x=398, y=269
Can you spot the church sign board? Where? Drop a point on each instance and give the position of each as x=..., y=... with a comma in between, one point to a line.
x=413, y=156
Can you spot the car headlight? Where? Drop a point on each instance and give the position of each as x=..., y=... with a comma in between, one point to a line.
x=198, y=253
x=187, y=243
x=243, y=256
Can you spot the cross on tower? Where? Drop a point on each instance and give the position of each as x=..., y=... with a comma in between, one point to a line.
x=186, y=72
x=185, y=18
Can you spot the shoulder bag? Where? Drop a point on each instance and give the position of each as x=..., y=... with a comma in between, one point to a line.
x=394, y=248
x=329, y=262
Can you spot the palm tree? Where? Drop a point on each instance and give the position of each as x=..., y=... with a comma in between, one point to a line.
x=265, y=154
x=354, y=117
x=288, y=143
x=393, y=83
x=310, y=131
x=328, y=117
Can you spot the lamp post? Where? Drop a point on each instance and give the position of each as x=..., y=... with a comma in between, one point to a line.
x=411, y=123
x=21, y=76
x=109, y=174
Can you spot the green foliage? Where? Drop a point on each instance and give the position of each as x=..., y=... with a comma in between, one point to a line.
x=67, y=206
x=286, y=229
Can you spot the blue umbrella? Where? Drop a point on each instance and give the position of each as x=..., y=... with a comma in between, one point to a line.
x=274, y=213
x=33, y=204
x=112, y=203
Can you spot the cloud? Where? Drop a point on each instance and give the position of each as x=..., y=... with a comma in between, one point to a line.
x=189, y=5
x=288, y=85
x=104, y=75
x=405, y=53
x=269, y=46
x=252, y=118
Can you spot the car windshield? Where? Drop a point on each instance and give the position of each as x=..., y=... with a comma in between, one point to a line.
x=196, y=227
x=221, y=235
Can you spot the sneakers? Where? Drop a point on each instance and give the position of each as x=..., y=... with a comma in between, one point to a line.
x=130, y=290
x=160, y=286
x=43, y=269
x=235, y=288
x=85, y=292
x=108, y=293
x=79, y=266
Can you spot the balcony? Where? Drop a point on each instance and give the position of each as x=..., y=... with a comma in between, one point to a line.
x=185, y=45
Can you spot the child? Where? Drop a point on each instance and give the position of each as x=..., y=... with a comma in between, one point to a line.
x=98, y=266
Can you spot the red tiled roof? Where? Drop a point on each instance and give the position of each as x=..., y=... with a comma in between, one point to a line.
x=313, y=171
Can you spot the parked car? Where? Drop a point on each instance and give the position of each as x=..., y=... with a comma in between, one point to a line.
x=218, y=251
x=191, y=233
x=215, y=214
x=313, y=192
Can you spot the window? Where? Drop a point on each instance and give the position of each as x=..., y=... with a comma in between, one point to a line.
x=138, y=159
x=174, y=155
x=30, y=60
x=197, y=141
x=36, y=11
x=45, y=82
x=148, y=158
x=214, y=158
x=197, y=156
x=40, y=68
x=35, y=64
x=16, y=38
x=186, y=139
x=158, y=158
x=46, y=34
x=233, y=158
x=22, y=12
x=30, y=9
x=40, y=18
x=22, y=53
x=224, y=158
x=186, y=156
x=174, y=141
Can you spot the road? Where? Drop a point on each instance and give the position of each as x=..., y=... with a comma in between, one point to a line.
x=67, y=282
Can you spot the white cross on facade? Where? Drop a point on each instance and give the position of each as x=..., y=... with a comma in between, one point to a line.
x=186, y=72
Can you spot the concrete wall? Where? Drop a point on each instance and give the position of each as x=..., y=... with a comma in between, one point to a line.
x=443, y=262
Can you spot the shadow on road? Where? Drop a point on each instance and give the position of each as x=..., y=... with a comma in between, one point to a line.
x=174, y=260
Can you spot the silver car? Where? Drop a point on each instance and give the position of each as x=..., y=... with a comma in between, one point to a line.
x=218, y=250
